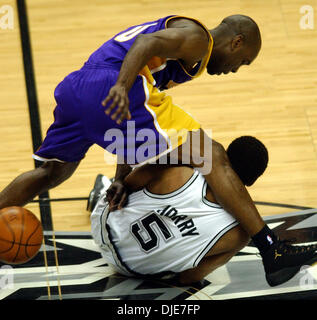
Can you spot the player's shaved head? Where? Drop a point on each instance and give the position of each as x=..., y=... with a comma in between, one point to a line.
x=247, y=27
x=237, y=42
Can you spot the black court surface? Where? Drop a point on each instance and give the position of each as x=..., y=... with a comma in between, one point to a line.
x=75, y=270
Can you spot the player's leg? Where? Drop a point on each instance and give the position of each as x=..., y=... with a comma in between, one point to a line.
x=32, y=183
x=164, y=119
x=232, y=195
x=64, y=146
x=225, y=248
x=211, y=159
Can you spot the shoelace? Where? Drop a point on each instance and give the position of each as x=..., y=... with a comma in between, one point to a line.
x=287, y=247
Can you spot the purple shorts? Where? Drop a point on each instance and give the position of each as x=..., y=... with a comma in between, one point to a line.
x=80, y=120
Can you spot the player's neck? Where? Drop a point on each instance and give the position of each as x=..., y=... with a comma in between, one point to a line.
x=170, y=179
x=220, y=35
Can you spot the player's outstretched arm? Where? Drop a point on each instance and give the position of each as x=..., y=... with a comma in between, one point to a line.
x=189, y=43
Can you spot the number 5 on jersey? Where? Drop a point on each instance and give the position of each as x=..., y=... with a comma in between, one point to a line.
x=149, y=225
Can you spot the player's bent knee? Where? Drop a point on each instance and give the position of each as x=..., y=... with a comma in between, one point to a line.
x=232, y=241
x=57, y=172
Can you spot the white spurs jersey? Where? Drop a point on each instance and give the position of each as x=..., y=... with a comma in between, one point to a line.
x=160, y=233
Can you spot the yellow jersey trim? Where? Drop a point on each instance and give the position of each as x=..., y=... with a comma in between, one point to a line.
x=205, y=60
x=170, y=120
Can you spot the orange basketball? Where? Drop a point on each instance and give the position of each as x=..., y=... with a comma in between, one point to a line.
x=21, y=235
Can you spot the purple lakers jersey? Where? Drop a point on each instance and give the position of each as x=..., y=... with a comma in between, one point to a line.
x=158, y=125
x=162, y=73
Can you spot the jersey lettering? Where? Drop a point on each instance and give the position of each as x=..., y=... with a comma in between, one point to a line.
x=188, y=225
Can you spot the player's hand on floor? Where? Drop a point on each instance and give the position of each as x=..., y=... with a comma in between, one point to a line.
x=117, y=195
x=117, y=97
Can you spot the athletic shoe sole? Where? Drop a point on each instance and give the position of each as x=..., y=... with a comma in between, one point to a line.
x=285, y=274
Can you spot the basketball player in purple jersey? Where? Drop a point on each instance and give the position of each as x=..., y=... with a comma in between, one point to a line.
x=123, y=80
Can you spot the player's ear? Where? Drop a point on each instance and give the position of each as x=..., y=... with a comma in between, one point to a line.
x=237, y=42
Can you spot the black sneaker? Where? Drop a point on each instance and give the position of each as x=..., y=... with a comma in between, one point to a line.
x=282, y=261
x=102, y=183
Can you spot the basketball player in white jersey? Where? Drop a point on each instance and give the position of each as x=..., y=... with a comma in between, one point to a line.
x=172, y=224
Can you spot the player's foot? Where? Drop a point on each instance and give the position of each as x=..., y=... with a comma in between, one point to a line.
x=282, y=261
x=102, y=183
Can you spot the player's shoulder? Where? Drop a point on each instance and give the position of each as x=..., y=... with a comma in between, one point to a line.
x=181, y=22
x=191, y=24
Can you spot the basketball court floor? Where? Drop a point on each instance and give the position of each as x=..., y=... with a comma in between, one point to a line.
x=80, y=273
x=274, y=99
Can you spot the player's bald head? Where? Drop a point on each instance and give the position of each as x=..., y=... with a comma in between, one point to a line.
x=237, y=42
x=247, y=27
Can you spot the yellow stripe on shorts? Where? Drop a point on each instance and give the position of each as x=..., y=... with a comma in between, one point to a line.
x=171, y=121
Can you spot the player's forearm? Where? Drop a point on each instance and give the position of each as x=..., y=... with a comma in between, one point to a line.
x=122, y=171
x=136, y=58
x=139, y=178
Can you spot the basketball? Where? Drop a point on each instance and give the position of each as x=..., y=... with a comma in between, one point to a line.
x=21, y=235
